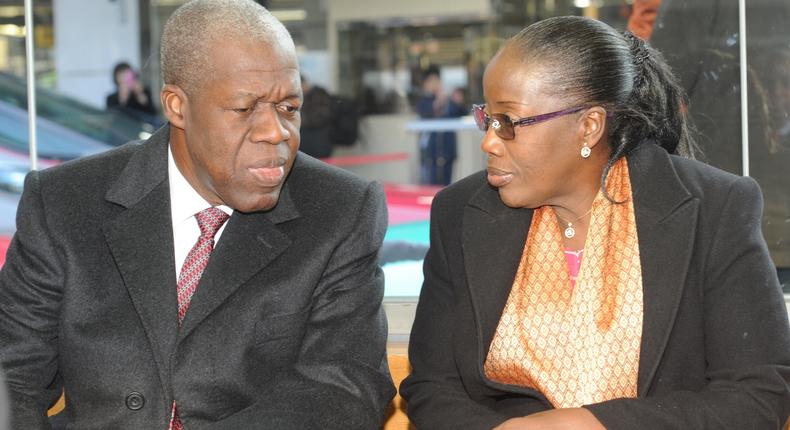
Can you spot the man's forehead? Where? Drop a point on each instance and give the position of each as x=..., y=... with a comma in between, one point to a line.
x=256, y=87
x=236, y=56
x=280, y=83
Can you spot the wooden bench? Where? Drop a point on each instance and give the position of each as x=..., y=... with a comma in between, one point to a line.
x=397, y=419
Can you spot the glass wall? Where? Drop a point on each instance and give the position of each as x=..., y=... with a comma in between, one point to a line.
x=768, y=90
x=701, y=40
x=12, y=39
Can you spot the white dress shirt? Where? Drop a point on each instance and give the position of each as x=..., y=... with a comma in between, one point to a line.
x=185, y=202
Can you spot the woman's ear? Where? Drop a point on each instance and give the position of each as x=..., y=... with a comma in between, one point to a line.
x=174, y=104
x=593, y=124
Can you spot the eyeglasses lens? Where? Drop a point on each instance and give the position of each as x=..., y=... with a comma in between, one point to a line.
x=502, y=125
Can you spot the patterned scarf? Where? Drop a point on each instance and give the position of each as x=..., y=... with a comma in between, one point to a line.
x=576, y=344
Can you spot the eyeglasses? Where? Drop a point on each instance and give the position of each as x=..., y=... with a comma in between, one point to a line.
x=505, y=128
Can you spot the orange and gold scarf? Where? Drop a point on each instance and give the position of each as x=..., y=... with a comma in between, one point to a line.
x=576, y=345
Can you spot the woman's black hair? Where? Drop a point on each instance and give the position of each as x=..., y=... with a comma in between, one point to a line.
x=119, y=68
x=589, y=62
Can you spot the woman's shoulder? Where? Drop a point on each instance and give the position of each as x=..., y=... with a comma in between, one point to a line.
x=697, y=177
x=702, y=179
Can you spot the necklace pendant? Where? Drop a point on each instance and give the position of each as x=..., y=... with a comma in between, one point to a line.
x=569, y=232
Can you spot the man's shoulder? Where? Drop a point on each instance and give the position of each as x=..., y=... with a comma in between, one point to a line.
x=324, y=190
x=311, y=174
x=91, y=172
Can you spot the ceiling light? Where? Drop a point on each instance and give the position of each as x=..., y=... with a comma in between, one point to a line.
x=12, y=30
x=289, y=14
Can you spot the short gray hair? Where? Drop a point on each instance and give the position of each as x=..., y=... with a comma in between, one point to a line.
x=194, y=27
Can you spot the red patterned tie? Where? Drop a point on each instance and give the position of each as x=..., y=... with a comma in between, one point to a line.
x=209, y=221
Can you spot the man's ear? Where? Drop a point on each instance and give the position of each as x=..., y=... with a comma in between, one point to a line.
x=594, y=122
x=174, y=104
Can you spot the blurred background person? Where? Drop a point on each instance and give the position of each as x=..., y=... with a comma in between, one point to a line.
x=457, y=105
x=437, y=148
x=316, y=115
x=130, y=96
x=779, y=90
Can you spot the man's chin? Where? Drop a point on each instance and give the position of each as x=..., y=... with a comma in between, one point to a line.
x=262, y=203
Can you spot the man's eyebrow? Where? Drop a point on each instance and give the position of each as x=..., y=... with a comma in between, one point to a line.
x=294, y=95
x=244, y=95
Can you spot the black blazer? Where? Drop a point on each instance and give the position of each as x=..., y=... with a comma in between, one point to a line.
x=715, y=348
x=3, y=403
x=285, y=330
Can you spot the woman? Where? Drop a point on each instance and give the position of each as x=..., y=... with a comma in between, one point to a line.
x=130, y=95
x=593, y=277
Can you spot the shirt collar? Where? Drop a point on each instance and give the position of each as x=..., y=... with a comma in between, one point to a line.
x=185, y=202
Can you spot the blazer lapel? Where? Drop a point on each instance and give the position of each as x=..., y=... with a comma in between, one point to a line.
x=140, y=239
x=493, y=241
x=494, y=237
x=247, y=245
x=666, y=217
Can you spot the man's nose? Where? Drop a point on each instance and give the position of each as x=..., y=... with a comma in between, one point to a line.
x=268, y=126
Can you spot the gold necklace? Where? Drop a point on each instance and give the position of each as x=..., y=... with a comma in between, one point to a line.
x=570, y=232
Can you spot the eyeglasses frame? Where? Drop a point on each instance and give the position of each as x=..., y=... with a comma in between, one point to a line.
x=488, y=120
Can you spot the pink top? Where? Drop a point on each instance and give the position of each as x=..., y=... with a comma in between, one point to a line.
x=574, y=260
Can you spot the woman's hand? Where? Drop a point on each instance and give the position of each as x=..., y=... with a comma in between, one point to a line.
x=555, y=419
x=139, y=92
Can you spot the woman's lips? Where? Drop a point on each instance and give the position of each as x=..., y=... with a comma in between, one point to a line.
x=499, y=178
x=268, y=176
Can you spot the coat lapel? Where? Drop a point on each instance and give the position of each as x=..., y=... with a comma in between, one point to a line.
x=493, y=240
x=494, y=237
x=247, y=245
x=140, y=239
x=666, y=216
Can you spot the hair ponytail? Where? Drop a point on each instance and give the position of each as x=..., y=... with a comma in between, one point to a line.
x=656, y=106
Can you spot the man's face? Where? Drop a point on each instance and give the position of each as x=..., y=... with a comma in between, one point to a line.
x=432, y=84
x=240, y=129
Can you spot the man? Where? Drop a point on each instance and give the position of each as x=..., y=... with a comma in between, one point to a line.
x=316, y=121
x=100, y=294
x=437, y=148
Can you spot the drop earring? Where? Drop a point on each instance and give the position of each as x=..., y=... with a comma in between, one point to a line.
x=586, y=151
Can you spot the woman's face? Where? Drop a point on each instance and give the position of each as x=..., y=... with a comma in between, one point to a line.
x=541, y=164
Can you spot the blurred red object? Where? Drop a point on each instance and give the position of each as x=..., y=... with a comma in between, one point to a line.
x=643, y=17
x=4, y=242
x=409, y=203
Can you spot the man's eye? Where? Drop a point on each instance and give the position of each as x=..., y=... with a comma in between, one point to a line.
x=242, y=110
x=289, y=109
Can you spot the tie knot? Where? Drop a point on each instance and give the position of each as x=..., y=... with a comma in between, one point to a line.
x=210, y=220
